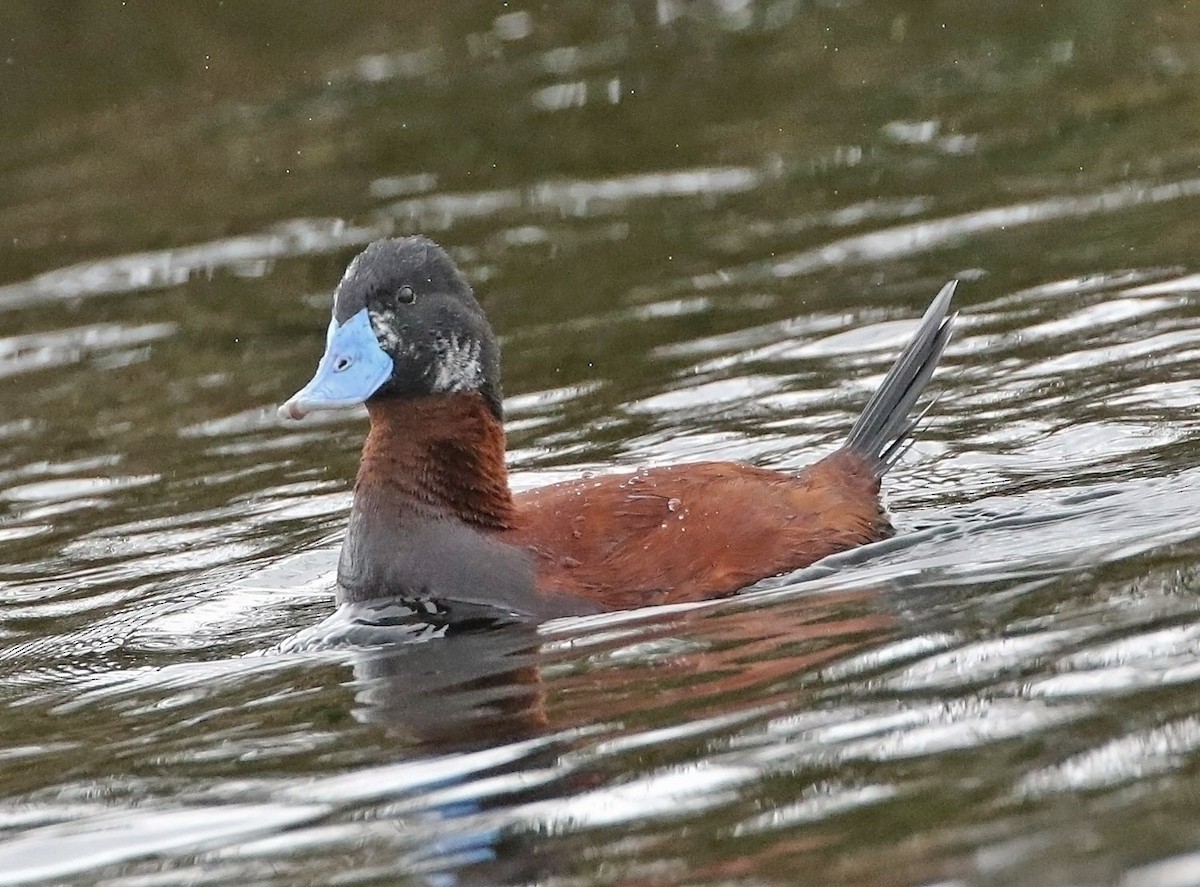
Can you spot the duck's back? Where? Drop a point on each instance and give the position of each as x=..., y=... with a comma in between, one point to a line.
x=695, y=531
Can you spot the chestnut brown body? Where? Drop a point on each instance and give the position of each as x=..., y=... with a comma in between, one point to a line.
x=696, y=531
x=434, y=467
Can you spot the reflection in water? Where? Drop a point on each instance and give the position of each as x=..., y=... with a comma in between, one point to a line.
x=448, y=680
x=454, y=689
x=477, y=682
x=464, y=690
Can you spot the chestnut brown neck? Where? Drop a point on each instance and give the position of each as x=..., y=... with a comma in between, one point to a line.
x=441, y=455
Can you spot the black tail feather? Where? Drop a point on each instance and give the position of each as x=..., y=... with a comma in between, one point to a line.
x=884, y=426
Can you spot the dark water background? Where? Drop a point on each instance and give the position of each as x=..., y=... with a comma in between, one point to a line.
x=701, y=229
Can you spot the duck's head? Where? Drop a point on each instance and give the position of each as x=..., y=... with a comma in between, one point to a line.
x=405, y=324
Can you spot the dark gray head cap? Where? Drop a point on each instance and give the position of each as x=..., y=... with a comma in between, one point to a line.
x=425, y=316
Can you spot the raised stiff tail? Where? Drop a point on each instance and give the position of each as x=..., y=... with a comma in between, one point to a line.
x=883, y=429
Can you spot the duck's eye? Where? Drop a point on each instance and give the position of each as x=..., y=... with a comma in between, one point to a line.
x=406, y=295
x=343, y=363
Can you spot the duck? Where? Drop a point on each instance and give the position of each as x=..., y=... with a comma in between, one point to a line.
x=433, y=518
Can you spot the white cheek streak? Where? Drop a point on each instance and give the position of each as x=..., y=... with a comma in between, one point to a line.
x=458, y=367
x=382, y=325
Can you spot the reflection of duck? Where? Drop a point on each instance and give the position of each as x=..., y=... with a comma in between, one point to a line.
x=433, y=516
x=470, y=689
x=439, y=685
x=513, y=732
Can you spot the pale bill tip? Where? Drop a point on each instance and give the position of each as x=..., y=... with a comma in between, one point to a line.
x=291, y=410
